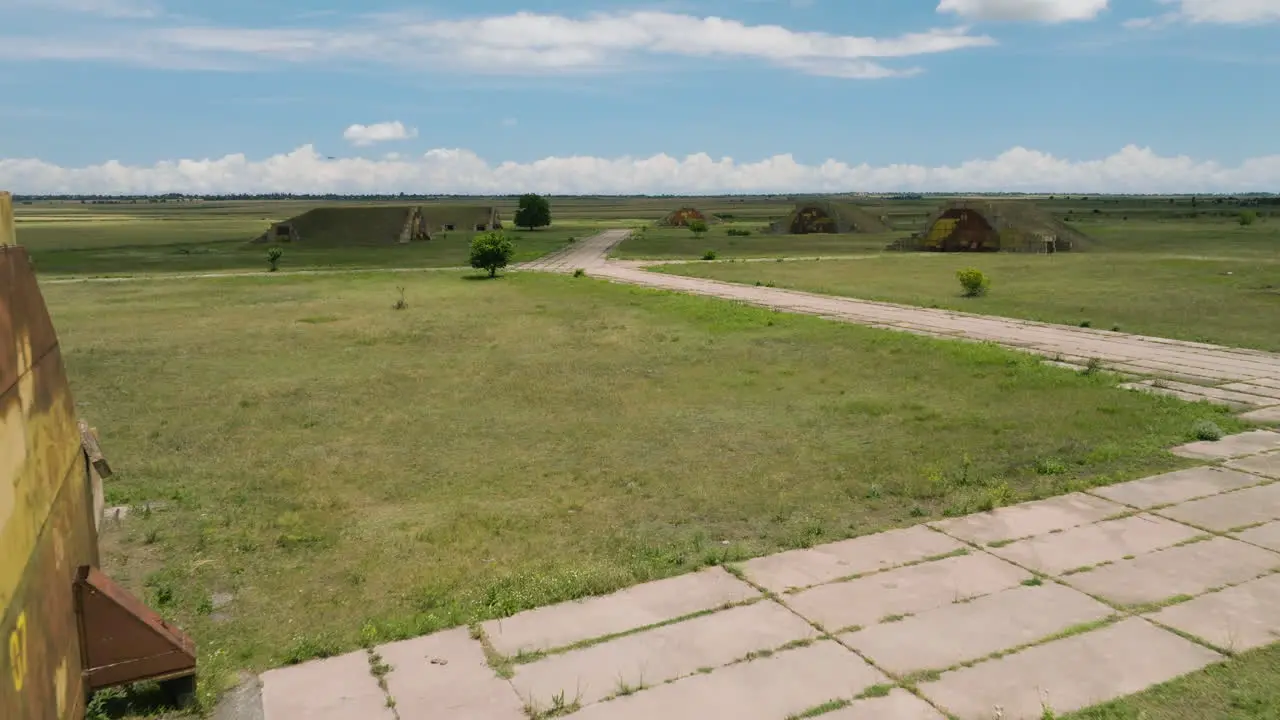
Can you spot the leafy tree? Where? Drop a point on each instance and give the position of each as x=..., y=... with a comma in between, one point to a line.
x=699, y=227
x=491, y=251
x=273, y=258
x=534, y=212
x=1248, y=217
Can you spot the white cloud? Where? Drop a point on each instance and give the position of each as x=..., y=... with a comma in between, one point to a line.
x=1132, y=169
x=520, y=43
x=1219, y=12
x=362, y=135
x=1049, y=11
x=105, y=8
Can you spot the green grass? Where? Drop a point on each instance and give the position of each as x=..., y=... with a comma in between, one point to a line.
x=1210, y=283
x=449, y=250
x=505, y=444
x=681, y=244
x=1243, y=688
x=73, y=239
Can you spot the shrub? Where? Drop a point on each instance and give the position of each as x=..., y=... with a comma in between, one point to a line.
x=735, y=232
x=709, y=255
x=580, y=272
x=1050, y=466
x=1207, y=430
x=491, y=251
x=698, y=228
x=974, y=281
x=273, y=258
x=1247, y=218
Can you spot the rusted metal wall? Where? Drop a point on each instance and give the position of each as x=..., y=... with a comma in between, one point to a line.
x=46, y=517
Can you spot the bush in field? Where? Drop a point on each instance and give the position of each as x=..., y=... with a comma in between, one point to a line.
x=709, y=255
x=1247, y=218
x=735, y=232
x=1207, y=430
x=273, y=258
x=698, y=227
x=491, y=251
x=974, y=281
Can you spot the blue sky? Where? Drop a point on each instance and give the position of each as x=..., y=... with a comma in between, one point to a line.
x=613, y=97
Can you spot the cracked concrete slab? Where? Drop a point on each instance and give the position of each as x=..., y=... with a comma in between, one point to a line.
x=897, y=705
x=1184, y=570
x=1268, y=536
x=1266, y=465
x=1069, y=674
x=337, y=688
x=635, y=607
x=1101, y=542
x=905, y=591
x=1231, y=446
x=1176, y=487
x=783, y=684
x=952, y=634
x=1227, y=511
x=1027, y=519
x=655, y=656
x=824, y=563
x=446, y=675
x=1237, y=619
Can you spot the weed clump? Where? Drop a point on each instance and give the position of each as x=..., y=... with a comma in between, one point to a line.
x=973, y=281
x=401, y=303
x=580, y=272
x=1207, y=430
x=273, y=258
x=737, y=232
x=709, y=255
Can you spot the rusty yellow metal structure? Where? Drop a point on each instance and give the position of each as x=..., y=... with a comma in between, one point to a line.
x=47, y=524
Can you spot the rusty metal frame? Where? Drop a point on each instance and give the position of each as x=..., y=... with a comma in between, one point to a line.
x=123, y=640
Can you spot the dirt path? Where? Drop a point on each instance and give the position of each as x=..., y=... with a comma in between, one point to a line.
x=1247, y=380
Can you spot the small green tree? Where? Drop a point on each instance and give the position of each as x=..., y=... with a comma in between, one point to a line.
x=1247, y=218
x=534, y=212
x=273, y=258
x=974, y=281
x=491, y=251
x=699, y=228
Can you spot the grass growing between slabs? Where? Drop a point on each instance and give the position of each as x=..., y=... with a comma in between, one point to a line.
x=325, y=471
x=1217, y=287
x=1243, y=688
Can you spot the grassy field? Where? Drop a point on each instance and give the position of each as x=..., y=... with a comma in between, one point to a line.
x=505, y=444
x=73, y=239
x=1206, y=281
x=680, y=243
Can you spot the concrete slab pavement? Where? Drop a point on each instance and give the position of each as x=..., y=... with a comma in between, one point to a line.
x=709, y=644
x=1069, y=674
x=640, y=606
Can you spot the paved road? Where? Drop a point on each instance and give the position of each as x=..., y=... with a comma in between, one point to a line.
x=1248, y=380
x=1060, y=603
